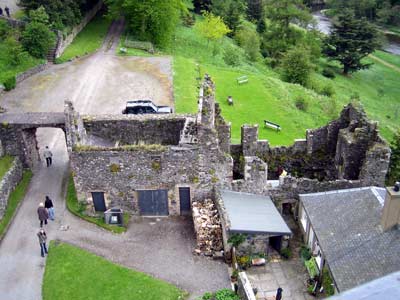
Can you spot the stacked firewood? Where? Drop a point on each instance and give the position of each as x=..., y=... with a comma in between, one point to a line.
x=208, y=227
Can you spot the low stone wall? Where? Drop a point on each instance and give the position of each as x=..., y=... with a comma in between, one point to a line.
x=8, y=183
x=13, y=22
x=22, y=76
x=63, y=43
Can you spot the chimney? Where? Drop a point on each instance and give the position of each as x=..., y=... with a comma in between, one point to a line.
x=391, y=209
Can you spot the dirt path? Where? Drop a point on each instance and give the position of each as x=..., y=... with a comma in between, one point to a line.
x=389, y=65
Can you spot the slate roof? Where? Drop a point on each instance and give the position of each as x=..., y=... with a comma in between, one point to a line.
x=254, y=214
x=347, y=226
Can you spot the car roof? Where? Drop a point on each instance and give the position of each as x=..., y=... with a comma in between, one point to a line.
x=133, y=103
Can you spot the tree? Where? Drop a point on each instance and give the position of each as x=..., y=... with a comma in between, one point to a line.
x=153, y=20
x=280, y=34
x=37, y=39
x=202, y=5
x=350, y=41
x=255, y=9
x=39, y=15
x=212, y=27
x=231, y=11
x=296, y=66
x=394, y=167
x=248, y=39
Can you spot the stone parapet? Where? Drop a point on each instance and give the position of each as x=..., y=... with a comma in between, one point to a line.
x=8, y=183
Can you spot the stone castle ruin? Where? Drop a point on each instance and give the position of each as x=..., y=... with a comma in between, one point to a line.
x=160, y=164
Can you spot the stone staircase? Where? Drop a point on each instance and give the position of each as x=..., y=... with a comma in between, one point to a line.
x=189, y=132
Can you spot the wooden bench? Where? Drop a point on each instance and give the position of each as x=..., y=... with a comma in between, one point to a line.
x=242, y=79
x=272, y=125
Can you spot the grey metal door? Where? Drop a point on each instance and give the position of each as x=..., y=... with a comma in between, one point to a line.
x=184, y=199
x=153, y=202
x=98, y=201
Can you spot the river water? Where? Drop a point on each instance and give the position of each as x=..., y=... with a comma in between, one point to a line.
x=324, y=25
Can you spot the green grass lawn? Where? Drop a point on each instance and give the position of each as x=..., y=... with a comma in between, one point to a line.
x=266, y=97
x=7, y=70
x=79, y=210
x=15, y=198
x=390, y=58
x=88, y=40
x=5, y=164
x=72, y=273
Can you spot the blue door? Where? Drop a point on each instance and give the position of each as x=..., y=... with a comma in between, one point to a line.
x=184, y=200
x=98, y=201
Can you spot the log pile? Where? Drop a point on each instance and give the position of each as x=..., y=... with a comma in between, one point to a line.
x=208, y=227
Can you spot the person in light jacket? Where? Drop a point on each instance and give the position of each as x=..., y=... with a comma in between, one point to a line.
x=42, y=214
x=42, y=241
x=48, y=204
x=48, y=156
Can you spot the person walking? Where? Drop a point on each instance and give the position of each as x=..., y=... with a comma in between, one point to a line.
x=279, y=294
x=48, y=204
x=7, y=11
x=42, y=241
x=1, y=11
x=48, y=156
x=42, y=214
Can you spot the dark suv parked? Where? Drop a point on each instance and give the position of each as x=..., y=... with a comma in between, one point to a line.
x=145, y=107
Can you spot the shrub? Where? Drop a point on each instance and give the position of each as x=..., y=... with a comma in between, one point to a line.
x=328, y=90
x=286, y=253
x=37, y=39
x=226, y=294
x=236, y=239
x=248, y=39
x=10, y=83
x=328, y=73
x=305, y=253
x=296, y=66
x=301, y=103
x=207, y=296
x=231, y=56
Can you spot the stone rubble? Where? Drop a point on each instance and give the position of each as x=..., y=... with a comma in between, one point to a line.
x=207, y=226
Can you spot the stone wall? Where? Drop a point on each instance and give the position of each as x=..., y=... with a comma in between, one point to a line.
x=245, y=290
x=119, y=174
x=12, y=22
x=134, y=129
x=22, y=76
x=347, y=148
x=64, y=42
x=8, y=183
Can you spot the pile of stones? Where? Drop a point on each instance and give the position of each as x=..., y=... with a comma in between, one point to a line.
x=208, y=228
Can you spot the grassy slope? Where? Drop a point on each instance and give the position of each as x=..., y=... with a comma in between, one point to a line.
x=5, y=164
x=88, y=40
x=72, y=273
x=15, y=198
x=267, y=97
x=390, y=58
x=7, y=70
x=378, y=88
x=78, y=210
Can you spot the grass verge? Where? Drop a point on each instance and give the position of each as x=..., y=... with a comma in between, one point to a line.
x=79, y=210
x=13, y=201
x=5, y=164
x=88, y=40
x=73, y=273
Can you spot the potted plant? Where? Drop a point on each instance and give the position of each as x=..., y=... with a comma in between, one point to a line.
x=234, y=275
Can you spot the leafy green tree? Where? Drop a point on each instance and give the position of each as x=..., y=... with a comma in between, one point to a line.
x=296, y=66
x=231, y=11
x=14, y=50
x=394, y=167
x=37, y=39
x=39, y=15
x=212, y=27
x=350, y=41
x=153, y=20
x=281, y=34
x=249, y=40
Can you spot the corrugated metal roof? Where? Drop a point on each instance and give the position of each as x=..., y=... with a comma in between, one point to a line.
x=250, y=213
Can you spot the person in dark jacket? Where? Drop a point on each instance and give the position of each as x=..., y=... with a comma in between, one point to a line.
x=7, y=11
x=48, y=204
x=42, y=241
x=279, y=294
x=42, y=214
x=1, y=11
